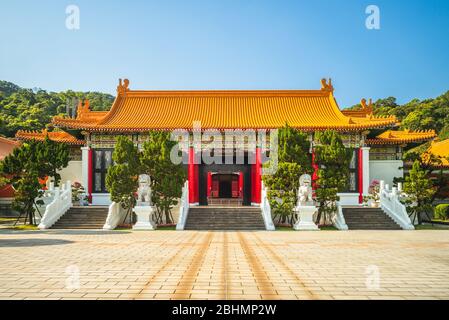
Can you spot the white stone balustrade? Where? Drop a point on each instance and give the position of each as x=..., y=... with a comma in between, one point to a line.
x=60, y=203
x=266, y=210
x=184, y=207
x=390, y=203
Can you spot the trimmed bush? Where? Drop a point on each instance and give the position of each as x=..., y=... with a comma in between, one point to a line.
x=442, y=212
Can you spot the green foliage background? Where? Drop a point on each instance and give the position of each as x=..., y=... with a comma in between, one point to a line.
x=32, y=109
x=432, y=113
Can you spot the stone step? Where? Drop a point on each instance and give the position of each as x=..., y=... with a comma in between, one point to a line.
x=368, y=219
x=224, y=218
x=87, y=217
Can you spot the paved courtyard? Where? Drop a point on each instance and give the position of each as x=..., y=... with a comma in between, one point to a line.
x=73, y=264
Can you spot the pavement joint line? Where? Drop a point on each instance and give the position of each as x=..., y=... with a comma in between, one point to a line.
x=193, y=269
x=165, y=265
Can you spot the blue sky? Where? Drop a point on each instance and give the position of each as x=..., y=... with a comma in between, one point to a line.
x=244, y=44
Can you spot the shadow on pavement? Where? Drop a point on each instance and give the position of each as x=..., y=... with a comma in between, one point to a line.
x=32, y=242
x=63, y=232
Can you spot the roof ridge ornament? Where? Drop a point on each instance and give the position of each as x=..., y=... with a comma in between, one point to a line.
x=367, y=107
x=82, y=109
x=122, y=87
x=327, y=85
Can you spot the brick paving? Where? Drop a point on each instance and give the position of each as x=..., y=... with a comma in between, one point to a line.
x=84, y=264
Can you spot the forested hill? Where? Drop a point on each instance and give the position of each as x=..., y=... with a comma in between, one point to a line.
x=417, y=114
x=32, y=109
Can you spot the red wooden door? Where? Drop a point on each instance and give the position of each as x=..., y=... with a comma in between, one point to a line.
x=215, y=188
x=235, y=187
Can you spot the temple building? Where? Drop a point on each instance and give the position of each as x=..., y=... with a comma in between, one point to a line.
x=377, y=149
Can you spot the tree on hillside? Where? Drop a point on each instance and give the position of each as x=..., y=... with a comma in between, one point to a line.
x=122, y=178
x=332, y=158
x=420, y=191
x=167, y=178
x=26, y=165
x=28, y=109
x=294, y=159
x=416, y=114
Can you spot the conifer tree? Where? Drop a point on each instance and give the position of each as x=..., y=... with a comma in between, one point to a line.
x=294, y=159
x=122, y=178
x=419, y=190
x=167, y=178
x=27, y=164
x=333, y=160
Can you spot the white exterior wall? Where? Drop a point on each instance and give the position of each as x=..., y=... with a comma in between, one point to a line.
x=84, y=167
x=365, y=170
x=386, y=170
x=349, y=199
x=72, y=172
x=101, y=199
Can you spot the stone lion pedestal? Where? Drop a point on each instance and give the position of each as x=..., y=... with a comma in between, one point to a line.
x=305, y=209
x=144, y=218
x=304, y=215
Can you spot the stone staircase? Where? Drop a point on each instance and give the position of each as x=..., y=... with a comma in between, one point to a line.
x=88, y=217
x=224, y=218
x=362, y=218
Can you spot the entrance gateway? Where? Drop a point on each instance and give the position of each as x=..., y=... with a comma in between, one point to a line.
x=224, y=184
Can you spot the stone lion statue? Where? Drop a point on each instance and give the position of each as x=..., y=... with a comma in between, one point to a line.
x=305, y=190
x=144, y=190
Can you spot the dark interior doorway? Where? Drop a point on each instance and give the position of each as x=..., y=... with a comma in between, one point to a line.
x=225, y=186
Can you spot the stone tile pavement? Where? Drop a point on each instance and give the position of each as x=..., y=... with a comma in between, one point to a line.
x=72, y=264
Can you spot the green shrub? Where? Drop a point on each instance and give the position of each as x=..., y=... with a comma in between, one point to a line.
x=442, y=212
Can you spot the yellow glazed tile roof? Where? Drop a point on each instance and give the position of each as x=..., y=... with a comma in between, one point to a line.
x=403, y=136
x=57, y=136
x=307, y=110
x=440, y=149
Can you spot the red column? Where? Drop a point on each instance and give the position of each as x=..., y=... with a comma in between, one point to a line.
x=90, y=173
x=256, y=178
x=192, y=176
x=240, y=184
x=360, y=175
x=315, y=171
x=209, y=183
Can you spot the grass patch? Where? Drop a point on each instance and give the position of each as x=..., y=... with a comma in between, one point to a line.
x=26, y=227
x=431, y=227
x=328, y=228
x=4, y=220
x=323, y=228
x=166, y=228
x=284, y=228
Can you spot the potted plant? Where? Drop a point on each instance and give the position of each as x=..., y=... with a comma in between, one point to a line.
x=374, y=193
x=78, y=193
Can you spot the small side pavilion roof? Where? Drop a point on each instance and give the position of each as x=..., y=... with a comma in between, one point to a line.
x=57, y=136
x=7, y=146
x=136, y=110
x=440, y=149
x=402, y=137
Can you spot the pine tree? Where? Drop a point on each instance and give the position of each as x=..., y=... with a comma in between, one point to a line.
x=122, y=178
x=333, y=160
x=167, y=178
x=27, y=164
x=294, y=159
x=419, y=190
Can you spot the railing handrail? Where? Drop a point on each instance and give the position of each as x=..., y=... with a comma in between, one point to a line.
x=266, y=209
x=391, y=204
x=339, y=220
x=184, y=207
x=62, y=201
